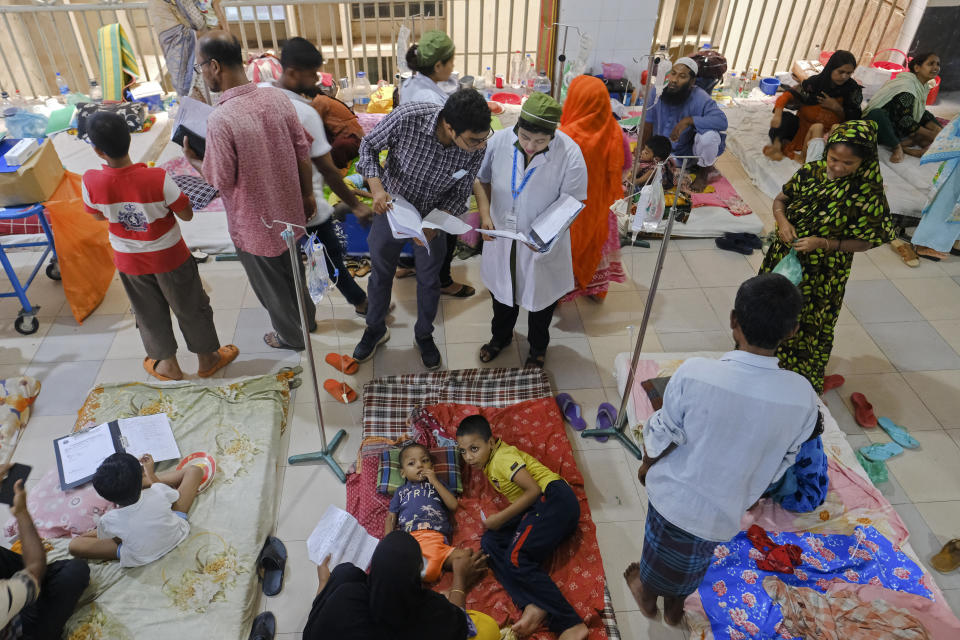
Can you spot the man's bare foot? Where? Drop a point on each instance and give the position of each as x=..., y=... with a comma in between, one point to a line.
x=208, y=361
x=169, y=368
x=647, y=604
x=533, y=616
x=579, y=632
x=702, y=179
x=897, y=154
x=914, y=151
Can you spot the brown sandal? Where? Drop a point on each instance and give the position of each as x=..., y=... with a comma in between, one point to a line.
x=907, y=253
x=949, y=557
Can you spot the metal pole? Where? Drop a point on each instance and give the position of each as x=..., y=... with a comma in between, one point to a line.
x=325, y=454
x=618, y=430
x=653, y=61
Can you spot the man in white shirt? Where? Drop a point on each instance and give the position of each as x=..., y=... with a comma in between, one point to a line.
x=728, y=428
x=301, y=63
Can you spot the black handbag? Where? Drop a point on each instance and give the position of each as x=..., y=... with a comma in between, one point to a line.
x=133, y=113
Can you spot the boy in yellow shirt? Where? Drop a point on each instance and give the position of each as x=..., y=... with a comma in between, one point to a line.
x=543, y=512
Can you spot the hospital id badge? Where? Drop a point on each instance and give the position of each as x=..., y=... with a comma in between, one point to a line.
x=458, y=174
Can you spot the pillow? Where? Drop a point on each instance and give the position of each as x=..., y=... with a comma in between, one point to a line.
x=446, y=463
x=945, y=146
x=16, y=398
x=61, y=514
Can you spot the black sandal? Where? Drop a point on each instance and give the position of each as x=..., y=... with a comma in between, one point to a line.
x=490, y=351
x=535, y=360
x=465, y=291
x=264, y=627
x=270, y=565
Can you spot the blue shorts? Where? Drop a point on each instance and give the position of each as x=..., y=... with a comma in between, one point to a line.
x=179, y=513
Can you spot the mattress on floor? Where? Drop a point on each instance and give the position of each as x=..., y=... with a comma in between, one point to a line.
x=389, y=401
x=906, y=183
x=852, y=500
x=207, y=587
x=712, y=222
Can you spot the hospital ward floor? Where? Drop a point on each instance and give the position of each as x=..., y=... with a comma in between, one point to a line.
x=898, y=342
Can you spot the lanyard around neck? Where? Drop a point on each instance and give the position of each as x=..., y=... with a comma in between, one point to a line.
x=513, y=177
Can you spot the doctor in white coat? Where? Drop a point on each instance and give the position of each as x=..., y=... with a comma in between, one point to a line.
x=525, y=170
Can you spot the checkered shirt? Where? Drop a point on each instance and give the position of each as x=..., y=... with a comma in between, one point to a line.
x=418, y=167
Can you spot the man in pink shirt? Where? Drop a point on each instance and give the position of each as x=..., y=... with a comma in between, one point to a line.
x=258, y=156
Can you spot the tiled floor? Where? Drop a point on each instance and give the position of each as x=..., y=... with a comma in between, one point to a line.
x=897, y=341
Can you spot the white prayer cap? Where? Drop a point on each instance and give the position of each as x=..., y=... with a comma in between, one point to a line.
x=690, y=64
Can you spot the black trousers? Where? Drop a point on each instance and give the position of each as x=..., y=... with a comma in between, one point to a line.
x=446, y=278
x=272, y=281
x=60, y=590
x=789, y=126
x=538, y=325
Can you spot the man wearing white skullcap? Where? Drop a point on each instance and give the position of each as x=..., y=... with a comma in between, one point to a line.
x=688, y=116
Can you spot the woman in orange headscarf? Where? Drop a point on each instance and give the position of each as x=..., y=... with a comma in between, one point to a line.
x=588, y=119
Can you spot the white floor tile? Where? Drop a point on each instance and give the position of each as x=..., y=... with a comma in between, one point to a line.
x=308, y=489
x=609, y=482
x=620, y=544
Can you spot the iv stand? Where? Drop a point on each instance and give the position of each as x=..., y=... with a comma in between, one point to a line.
x=619, y=430
x=558, y=81
x=325, y=454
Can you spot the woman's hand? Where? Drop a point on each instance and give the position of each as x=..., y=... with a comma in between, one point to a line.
x=323, y=574
x=469, y=566
x=486, y=222
x=810, y=243
x=786, y=232
x=830, y=103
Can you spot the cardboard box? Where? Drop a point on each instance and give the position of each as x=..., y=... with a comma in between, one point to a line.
x=33, y=181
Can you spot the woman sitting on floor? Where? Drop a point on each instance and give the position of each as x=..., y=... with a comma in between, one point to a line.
x=829, y=210
x=826, y=99
x=898, y=109
x=391, y=603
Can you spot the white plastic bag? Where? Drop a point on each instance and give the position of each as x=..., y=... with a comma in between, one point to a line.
x=651, y=204
x=318, y=277
x=871, y=79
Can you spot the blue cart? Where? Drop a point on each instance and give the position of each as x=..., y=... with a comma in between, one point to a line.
x=26, y=322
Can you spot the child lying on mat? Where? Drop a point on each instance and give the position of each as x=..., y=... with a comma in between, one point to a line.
x=422, y=507
x=727, y=429
x=152, y=516
x=657, y=149
x=543, y=512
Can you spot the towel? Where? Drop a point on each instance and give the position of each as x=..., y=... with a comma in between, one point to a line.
x=118, y=64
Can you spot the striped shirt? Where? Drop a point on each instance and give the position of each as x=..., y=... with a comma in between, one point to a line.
x=139, y=201
x=418, y=168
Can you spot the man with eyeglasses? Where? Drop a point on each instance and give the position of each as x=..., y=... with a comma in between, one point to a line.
x=434, y=154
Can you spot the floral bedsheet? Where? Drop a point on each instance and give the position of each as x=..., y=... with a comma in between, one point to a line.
x=207, y=586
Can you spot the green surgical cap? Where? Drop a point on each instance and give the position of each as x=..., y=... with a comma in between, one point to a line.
x=541, y=110
x=434, y=47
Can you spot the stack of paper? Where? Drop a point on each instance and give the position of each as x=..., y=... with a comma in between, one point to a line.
x=548, y=226
x=191, y=121
x=405, y=222
x=339, y=536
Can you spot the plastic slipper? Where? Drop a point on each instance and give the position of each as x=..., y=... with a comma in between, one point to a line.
x=150, y=366
x=832, y=382
x=863, y=411
x=906, y=252
x=728, y=243
x=272, y=339
x=606, y=418
x=270, y=565
x=264, y=627
x=465, y=291
x=228, y=353
x=898, y=433
x=949, y=557
x=571, y=411
x=881, y=451
x=340, y=390
x=749, y=239
x=342, y=363
x=876, y=471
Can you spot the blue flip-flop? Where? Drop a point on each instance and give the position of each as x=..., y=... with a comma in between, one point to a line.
x=881, y=451
x=897, y=433
x=606, y=418
x=571, y=411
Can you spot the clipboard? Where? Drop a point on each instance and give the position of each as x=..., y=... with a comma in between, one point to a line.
x=60, y=444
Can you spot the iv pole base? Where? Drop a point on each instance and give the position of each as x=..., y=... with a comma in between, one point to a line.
x=617, y=433
x=324, y=456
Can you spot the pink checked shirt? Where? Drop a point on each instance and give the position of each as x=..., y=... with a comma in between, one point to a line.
x=254, y=141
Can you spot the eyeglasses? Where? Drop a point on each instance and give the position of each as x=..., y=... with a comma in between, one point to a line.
x=473, y=143
x=199, y=67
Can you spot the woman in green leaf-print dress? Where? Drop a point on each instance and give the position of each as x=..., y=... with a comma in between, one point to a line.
x=829, y=210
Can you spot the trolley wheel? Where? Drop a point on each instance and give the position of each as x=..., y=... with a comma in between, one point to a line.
x=26, y=324
x=53, y=271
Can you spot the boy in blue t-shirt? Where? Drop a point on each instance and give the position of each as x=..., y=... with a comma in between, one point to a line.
x=422, y=507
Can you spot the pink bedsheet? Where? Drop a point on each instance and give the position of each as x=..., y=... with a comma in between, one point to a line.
x=724, y=196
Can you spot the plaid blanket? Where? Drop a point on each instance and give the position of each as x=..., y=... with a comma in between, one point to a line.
x=388, y=402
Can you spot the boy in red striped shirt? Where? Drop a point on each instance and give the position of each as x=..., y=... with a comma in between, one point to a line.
x=156, y=268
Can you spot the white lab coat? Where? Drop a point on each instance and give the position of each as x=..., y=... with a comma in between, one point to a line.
x=420, y=88
x=542, y=278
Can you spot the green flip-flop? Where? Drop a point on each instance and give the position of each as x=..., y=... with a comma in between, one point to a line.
x=876, y=471
x=881, y=451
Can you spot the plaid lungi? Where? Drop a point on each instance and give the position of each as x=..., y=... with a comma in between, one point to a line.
x=673, y=561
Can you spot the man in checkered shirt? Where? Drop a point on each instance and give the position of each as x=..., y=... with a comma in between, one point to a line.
x=434, y=155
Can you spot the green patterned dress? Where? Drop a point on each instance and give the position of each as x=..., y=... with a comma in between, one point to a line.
x=853, y=207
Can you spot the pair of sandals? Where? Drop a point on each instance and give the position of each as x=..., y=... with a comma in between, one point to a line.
x=572, y=413
x=270, y=565
x=491, y=350
x=228, y=353
x=899, y=436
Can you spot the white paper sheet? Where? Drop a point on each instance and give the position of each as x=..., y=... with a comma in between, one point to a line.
x=340, y=536
x=193, y=115
x=149, y=434
x=556, y=218
x=437, y=219
x=405, y=221
x=497, y=233
x=82, y=453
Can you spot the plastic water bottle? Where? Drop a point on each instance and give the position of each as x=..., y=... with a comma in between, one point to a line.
x=361, y=92
x=516, y=70
x=730, y=85
x=345, y=94
x=5, y=104
x=62, y=86
x=96, y=93
x=541, y=84
x=489, y=82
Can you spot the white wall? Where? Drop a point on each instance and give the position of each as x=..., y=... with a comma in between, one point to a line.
x=621, y=31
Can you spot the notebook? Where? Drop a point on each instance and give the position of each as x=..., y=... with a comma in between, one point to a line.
x=548, y=226
x=339, y=536
x=79, y=454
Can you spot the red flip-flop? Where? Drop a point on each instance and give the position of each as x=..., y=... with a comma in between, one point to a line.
x=832, y=382
x=343, y=363
x=863, y=411
x=340, y=390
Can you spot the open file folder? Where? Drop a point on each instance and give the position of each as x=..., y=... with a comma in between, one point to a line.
x=548, y=226
x=405, y=222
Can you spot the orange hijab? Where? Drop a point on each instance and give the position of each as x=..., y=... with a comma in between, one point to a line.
x=588, y=119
